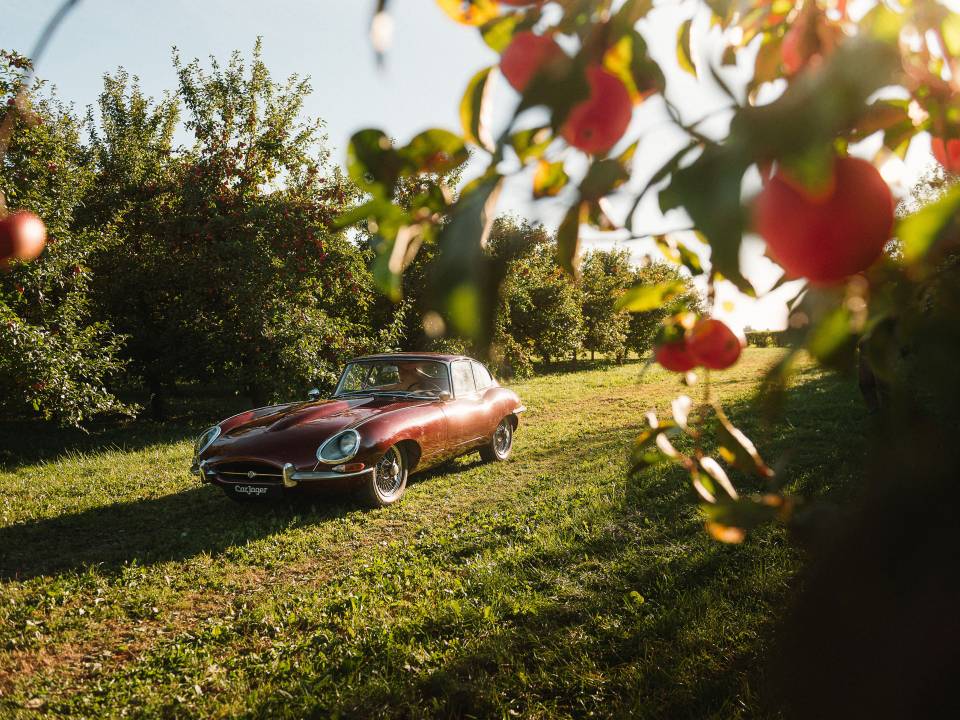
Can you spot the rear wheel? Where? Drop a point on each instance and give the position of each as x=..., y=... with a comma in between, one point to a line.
x=388, y=481
x=501, y=444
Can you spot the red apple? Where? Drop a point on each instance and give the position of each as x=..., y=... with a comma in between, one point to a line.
x=714, y=345
x=947, y=153
x=526, y=55
x=596, y=124
x=675, y=356
x=22, y=237
x=827, y=237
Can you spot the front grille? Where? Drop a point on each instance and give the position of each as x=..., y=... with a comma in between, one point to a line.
x=248, y=472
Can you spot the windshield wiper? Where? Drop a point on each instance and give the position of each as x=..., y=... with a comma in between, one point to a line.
x=402, y=393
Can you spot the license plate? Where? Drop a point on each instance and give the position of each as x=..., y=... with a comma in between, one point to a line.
x=254, y=491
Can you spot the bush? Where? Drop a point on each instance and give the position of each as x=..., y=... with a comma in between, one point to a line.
x=766, y=338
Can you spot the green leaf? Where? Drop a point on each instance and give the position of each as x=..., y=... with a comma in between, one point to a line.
x=458, y=286
x=881, y=115
x=737, y=449
x=435, y=151
x=376, y=208
x=602, y=178
x=684, y=56
x=950, y=28
x=882, y=23
x=930, y=227
x=532, y=143
x=498, y=33
x=832, y=341
x=813, y=169
x=816, y=108
x=629, y=59
x=473, y=110
x=549, y=179
x=716, y=214
x=568, y=240
x=641, y=298
x=372, y=161
x=678, y=252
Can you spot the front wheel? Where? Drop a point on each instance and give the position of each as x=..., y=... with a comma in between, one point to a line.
x=386, y=484
x=501, y=444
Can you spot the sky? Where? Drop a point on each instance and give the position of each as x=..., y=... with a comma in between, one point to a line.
x=427, y=67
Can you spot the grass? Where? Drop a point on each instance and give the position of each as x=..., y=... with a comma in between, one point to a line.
x=547, y=586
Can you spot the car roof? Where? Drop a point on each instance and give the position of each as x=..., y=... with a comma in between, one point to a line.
x=440, y=357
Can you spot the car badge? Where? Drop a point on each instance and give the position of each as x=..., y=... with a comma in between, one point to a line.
x=251, y=474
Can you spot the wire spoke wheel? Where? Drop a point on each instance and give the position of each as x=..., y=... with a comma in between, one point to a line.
x=389, y=473
x=503, y=438
x=501, y=443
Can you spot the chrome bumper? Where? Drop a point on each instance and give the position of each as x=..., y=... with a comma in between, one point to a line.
x=291, y=476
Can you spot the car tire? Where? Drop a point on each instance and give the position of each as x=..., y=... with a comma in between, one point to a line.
x=388, y=481
x=501, y=443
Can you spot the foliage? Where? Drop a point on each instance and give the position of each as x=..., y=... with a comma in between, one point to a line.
x=56, y=358
x=645, y=324
x=492, y=588
x=765, y=338
x=227, y=263
x=539, y=310
x=604, y=275
x=820, y=77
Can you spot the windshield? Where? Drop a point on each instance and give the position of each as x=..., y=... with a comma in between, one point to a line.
x=400, y=376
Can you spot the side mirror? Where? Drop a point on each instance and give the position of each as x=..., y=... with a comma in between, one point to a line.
x=444, y=396
x=314, y=394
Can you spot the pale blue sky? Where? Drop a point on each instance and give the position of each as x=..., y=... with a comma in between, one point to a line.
x=429, y=64
x=427, y=68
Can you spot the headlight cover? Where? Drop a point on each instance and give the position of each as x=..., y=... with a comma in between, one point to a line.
x=206, y=440
x=340, y=447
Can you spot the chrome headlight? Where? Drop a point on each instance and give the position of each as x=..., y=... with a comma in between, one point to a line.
x=340, y=447
x=206, y=440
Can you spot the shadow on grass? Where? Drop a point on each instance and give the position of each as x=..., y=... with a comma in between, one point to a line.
x=26, y=442
x=694, y=645
x=565, y=367
x=172, y=527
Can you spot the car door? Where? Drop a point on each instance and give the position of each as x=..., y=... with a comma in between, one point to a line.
x=487, y=416
x=464, y=412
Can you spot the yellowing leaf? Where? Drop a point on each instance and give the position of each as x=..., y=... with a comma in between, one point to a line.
x=475, y=110
x=684, y=54
x=549, y=179
x=470, y=12
x=725, y=533
x=641, y=298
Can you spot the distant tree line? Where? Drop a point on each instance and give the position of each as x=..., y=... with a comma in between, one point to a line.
x=218, y=261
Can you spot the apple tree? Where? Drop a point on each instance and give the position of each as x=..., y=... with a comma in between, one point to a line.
x=805, y=82
x=57, y=358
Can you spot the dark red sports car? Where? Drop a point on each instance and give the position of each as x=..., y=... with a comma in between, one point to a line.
x=391, y=415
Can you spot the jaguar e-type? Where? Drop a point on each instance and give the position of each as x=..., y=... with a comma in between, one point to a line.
x=390, y=416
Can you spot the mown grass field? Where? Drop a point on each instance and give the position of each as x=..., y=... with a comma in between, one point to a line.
x=547, y=586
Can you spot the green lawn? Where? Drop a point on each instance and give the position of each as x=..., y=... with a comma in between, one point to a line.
x=547, y=586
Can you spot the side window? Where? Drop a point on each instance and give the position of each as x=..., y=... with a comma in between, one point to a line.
x=462, y=378
x=482, y=377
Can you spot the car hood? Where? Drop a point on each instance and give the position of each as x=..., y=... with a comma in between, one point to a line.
x=257, y=432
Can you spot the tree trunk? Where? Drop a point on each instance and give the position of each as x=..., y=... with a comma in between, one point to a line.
x=592, y=355
x=257, y=394
x=546, y=361
x=158, y=400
